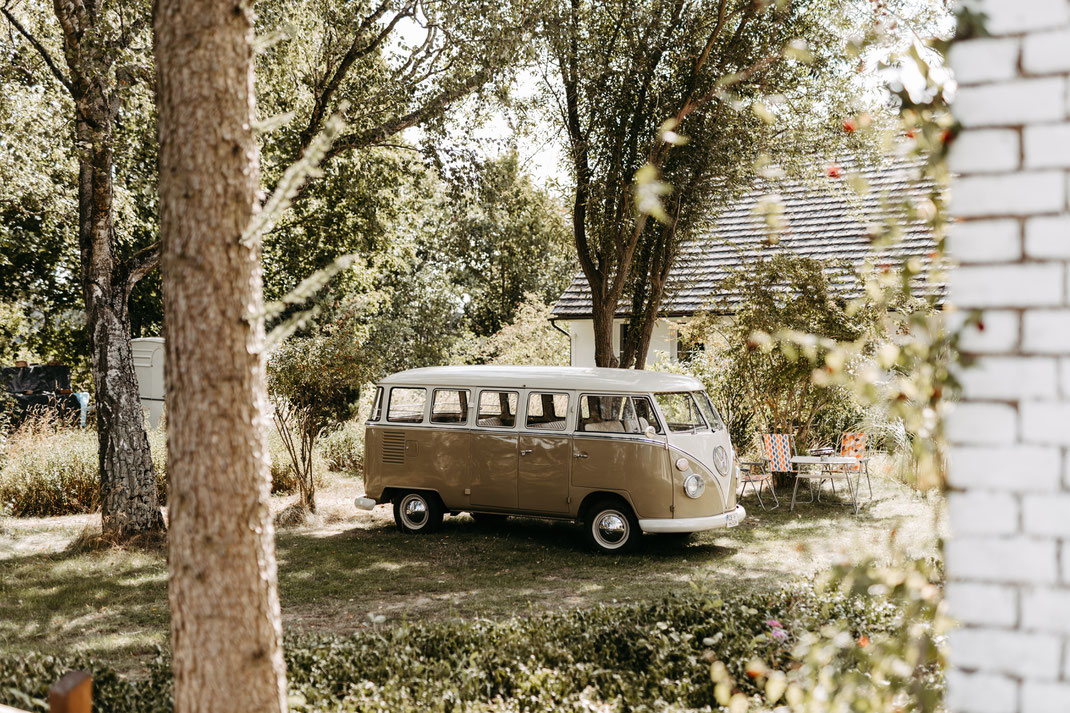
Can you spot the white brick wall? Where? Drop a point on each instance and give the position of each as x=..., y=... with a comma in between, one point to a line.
x=1008, y=558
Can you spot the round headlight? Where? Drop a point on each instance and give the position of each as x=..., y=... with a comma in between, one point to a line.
x=681, y=464
x=720, y=459
x=694, y=485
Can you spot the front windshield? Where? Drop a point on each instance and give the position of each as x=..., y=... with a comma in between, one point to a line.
x=712, y=417
x=681, y=411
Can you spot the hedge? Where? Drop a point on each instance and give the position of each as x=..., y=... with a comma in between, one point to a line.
x=641, y=657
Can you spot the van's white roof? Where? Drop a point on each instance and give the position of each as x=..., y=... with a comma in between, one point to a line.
x=571, y=378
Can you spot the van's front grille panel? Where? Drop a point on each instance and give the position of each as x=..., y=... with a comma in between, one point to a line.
x=394, y=447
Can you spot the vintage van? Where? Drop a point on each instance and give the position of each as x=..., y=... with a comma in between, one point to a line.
x=624, y=452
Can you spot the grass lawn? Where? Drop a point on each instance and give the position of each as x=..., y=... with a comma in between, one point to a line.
x=348, y=565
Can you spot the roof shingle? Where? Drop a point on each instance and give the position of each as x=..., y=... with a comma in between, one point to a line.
x=826, y=225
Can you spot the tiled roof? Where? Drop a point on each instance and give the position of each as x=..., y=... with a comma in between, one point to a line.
x=826, y=223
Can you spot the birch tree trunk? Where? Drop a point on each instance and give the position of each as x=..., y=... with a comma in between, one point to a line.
x=225, y=625
x=92, y=44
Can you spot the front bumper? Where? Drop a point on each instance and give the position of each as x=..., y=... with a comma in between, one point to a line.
x=694, y=524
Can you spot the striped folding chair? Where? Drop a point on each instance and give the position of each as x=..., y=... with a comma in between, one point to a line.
x=853, y=445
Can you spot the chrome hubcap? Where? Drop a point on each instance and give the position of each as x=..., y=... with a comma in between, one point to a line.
x=611, y=529
x=414, y=511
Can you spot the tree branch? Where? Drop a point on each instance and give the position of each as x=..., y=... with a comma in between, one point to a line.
x=350, y=142
x=138, y=265
x=40, y=50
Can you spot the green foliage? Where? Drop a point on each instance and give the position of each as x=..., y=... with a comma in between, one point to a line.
x=529, y=339
x=782, y=293
x=48, y=470
x=640, y=657
x=343, y=448
x=14, y=335
x=839, y=665
x=503, y=240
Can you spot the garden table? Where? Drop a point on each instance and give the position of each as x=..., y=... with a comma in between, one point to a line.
x=811, y=468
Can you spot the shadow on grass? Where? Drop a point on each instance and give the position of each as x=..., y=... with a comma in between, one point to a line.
x=113, y=602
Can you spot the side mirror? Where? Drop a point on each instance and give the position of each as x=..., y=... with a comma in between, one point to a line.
x=650, y=431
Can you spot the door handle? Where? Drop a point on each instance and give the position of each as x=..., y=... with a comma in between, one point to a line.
x=579, y=455
x=525, y=452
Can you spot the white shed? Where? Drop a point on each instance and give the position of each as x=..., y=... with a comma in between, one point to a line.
x=148, y=365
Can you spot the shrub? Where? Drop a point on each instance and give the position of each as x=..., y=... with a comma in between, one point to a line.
x=614, y=658
x=50, y=470
x=343, y=448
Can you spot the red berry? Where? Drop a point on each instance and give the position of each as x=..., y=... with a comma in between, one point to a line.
x=849, y=125
x=834, y=171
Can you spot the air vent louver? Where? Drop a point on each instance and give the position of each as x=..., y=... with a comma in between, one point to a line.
x=394, y=447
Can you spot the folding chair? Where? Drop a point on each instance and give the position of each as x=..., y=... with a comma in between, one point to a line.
x=758, y=473
x=853, y=445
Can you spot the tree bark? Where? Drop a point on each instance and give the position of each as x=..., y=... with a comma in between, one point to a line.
x=129, y=504
x=225, y=625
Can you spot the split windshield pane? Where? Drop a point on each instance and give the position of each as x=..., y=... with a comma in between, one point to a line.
x=680, y=411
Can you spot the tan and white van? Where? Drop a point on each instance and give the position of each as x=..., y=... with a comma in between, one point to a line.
x=622, y=451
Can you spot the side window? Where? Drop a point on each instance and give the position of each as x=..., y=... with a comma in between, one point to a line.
x=377, y=405
x=607, y=414
x=449, y=406
x=497, y=409
x=546, y=411
x=645, y=414
x=406, y=405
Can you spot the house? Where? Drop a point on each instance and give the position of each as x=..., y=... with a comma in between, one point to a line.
x=828, y=222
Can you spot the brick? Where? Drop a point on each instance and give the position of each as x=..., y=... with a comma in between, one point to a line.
x=1064, y=384
x=1048, y=515
x=982, y=423
x=980, y=692
x=996, y=240
x=988, y=604
x=1023, y=101
x=1045, y=422
x=1014, y=653
x=1048, y=236
x=1022, y=193
x=1046, y=609
x=1044, y=52
x=1002, y=559
x=1007, y=17
x=1008, y=378
x=984, y=151
x=1045, y=697
x=981, y=512
x=1017, y=468
x=998, y=333
x=984, y=60
x=1046, y=146
x=1046, y=331
x=1026, y=285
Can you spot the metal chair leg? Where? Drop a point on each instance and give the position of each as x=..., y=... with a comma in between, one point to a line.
x=772, y=490
x=793, y=494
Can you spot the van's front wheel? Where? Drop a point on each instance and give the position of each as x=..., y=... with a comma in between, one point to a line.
x=611, y=526
x=417, y=512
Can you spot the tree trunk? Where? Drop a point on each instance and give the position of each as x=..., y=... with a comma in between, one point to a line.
x=225, y=626
x=128, y=498
x=602, y=323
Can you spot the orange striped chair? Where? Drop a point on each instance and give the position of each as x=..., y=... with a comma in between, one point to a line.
x=853, y=445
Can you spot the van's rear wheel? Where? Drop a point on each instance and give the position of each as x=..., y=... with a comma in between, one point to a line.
x=417, y=512
x=611, y=526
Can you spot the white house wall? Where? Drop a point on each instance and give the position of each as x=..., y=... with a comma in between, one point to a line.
x=662, y=341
